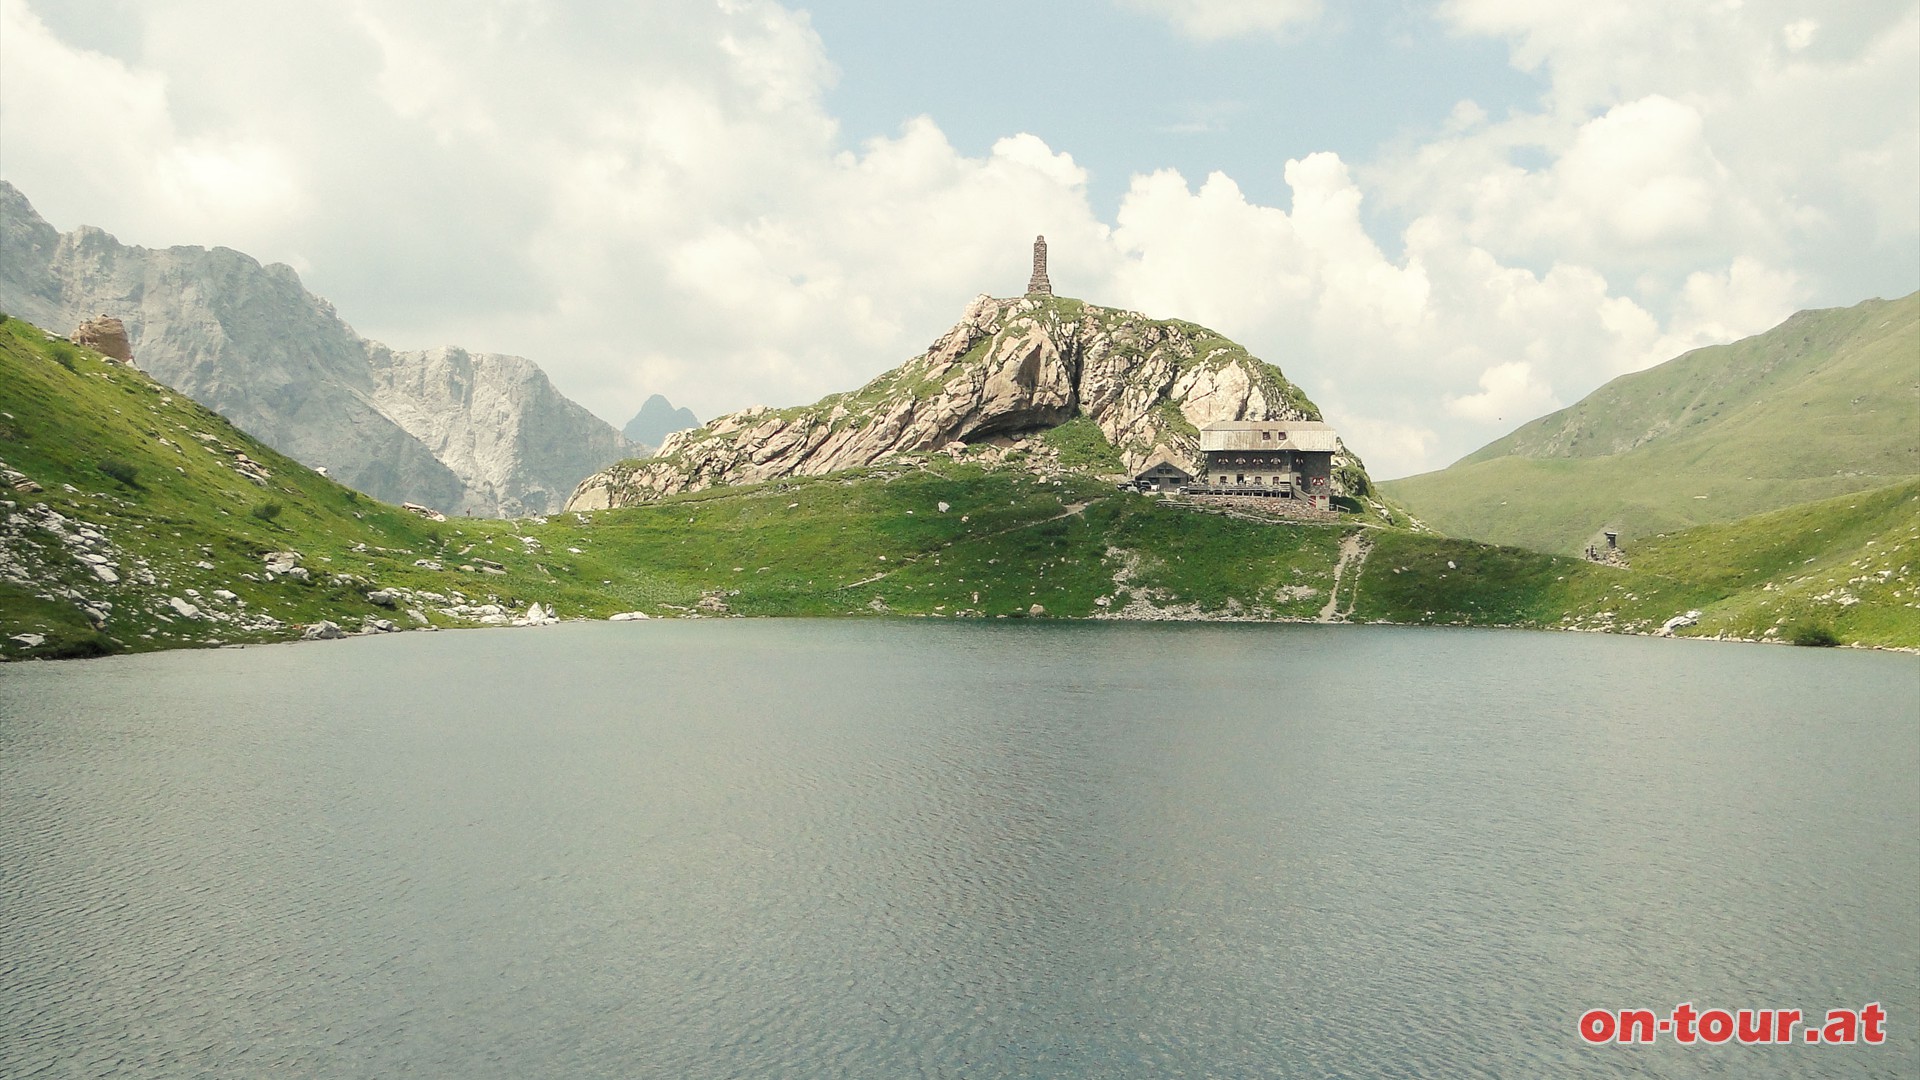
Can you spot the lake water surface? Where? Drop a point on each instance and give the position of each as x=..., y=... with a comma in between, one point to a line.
x=903, y=848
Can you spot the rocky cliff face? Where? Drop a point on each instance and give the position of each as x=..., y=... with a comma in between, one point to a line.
x=516, y=443
x=1008, y=370
x=456, y=431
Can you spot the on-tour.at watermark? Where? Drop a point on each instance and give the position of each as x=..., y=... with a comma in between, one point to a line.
x=1688, y=1026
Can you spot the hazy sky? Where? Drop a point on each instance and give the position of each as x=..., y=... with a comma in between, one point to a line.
x=1441, y=219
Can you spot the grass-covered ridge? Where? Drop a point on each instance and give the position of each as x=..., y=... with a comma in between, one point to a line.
x=1824, y=404
x=184, y=535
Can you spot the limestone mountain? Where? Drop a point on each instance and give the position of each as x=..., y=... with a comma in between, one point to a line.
x=1826, y=403
x=1009, y=370
x=656, y=420
x=457, y=431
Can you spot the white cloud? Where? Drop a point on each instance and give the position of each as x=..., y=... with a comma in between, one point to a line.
x=1798, y=34
x=1211, y=20
x=1509, y=394
x=1688, y=134
x=83, y=129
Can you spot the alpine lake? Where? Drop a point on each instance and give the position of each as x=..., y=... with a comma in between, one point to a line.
x=897, y=848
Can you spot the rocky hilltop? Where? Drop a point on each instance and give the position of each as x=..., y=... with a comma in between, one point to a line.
x=1009, y=370
x=457, y=431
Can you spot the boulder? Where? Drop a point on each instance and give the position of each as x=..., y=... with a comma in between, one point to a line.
x=384, y=598
x=322, y=631
x=105, y=335
x=1691, y=618
x=628, y=616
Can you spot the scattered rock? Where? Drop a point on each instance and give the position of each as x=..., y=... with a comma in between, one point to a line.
x=30, y=641
x=1691, y=618
x=323, y=631
x=279, y=562
x=19, y=481
x=185, y=610
x=537, y=616
x=427, y=512
x=384, y=598
x=1036, y=611
x=944, y=508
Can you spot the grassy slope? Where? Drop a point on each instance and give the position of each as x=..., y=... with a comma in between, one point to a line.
x=1826, y=403
x=853, y=543
x=1849, y=566
x=186, y=505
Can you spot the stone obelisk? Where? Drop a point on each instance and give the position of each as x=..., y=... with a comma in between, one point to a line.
x=1038, y=284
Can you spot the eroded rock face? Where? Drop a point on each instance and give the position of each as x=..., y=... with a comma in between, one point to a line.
x=1007, y=369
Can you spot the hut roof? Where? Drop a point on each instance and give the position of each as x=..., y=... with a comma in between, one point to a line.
x=1269, y=435
x=1162, y=456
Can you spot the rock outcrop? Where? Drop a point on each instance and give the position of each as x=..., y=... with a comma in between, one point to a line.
x=105, y=335
x=456, y=431
x=1009, y=369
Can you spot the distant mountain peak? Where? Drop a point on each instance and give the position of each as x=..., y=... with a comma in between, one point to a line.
x=656, y=420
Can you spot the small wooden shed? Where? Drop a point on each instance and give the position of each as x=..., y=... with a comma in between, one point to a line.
x=1162, y=472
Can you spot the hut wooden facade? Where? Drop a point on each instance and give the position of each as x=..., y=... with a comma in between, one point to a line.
x=1273, y=458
